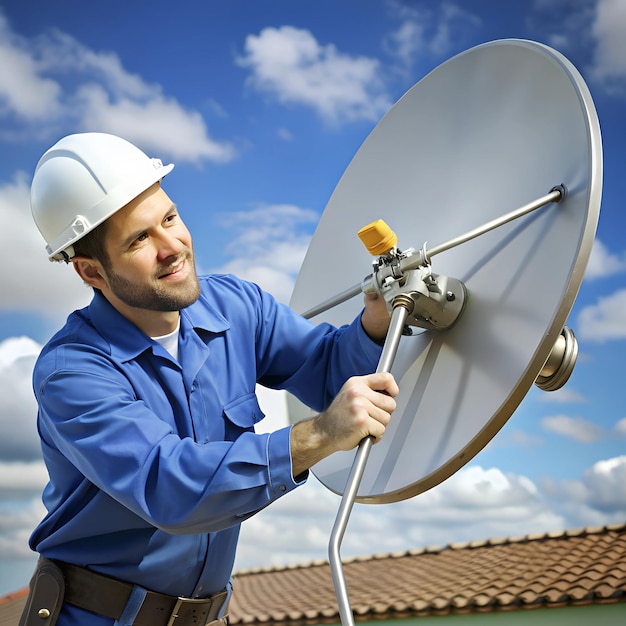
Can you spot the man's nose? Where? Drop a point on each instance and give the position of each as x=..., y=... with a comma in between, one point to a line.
x=169, y=245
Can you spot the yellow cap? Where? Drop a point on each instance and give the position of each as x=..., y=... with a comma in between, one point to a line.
x=378, y=238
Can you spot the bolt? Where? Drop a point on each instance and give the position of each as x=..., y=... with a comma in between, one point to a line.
x=450, y=297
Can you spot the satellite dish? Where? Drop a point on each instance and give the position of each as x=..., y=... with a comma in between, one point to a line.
x=486, y=132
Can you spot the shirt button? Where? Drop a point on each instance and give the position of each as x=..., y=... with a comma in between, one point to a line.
x=282, y=488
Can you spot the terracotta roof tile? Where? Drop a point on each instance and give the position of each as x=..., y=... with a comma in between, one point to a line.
x=16, y=595
x=579, y=566
x=11, y=607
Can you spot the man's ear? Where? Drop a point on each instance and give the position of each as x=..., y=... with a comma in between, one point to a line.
x=90, y=271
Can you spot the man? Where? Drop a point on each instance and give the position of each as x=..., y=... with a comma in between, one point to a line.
x=147, y=400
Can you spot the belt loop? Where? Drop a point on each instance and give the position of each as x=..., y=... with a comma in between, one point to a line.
x=174, y=613
x=132, y=607
x=229, y=593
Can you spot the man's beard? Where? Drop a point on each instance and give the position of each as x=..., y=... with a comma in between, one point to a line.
x=157, y=295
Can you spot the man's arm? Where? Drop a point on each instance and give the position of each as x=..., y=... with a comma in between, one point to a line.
x=362, y=408
x=375, y=317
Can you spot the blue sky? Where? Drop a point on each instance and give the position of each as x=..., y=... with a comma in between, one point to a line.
x=261, y=106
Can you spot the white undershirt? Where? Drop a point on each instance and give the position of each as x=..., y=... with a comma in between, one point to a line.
x=170, y=341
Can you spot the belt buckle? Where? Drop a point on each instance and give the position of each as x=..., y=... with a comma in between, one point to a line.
x=180, y=602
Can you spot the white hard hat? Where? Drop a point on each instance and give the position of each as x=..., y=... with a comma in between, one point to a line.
x=81, y=181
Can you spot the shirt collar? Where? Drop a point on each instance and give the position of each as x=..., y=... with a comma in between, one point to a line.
x=127, y=341
x=124, y=338
x=202, y=314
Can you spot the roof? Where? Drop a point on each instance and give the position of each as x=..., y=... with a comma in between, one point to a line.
x=575, y=567
x=578, y=567
x=11, y=607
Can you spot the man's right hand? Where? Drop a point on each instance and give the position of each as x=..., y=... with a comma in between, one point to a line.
x=362, y=408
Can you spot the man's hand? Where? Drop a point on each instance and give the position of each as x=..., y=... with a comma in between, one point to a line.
x=375, y=318
x=362, y=408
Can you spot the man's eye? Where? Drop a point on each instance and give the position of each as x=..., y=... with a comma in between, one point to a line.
x=142, y=237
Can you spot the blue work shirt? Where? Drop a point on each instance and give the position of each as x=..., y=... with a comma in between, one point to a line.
x=154, y=462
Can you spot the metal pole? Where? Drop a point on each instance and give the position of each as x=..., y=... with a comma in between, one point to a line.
x=396, y=327
x=557, y=194
x=334, y=301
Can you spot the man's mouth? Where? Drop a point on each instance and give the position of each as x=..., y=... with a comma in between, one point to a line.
x=173, y=270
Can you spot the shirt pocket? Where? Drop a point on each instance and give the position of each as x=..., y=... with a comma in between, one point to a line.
x=241, y=415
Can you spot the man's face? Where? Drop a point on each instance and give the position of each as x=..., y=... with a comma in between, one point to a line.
x=151, y=263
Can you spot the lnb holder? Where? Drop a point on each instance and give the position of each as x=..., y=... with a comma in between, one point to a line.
x=433, y=301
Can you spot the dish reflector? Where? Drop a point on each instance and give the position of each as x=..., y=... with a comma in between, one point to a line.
x=488, y=131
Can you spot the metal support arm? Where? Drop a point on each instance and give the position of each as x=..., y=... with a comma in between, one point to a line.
x=396, y=327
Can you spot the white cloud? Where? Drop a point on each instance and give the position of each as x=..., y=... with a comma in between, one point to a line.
x=285, y=134
x=609, y=61
x=295, y=529
x=606, y=484
x=18, y=409
x=52, y=289
x=16, y=525
x=23, y=91
x=590, y=32
x=564, y=395
x=475, y=503
x=598, y=498
x=63, y=52
x=605, y=320
x=429, y=30
x=158, y=124
x=620, y=427
x=291, y=65
x=478, y=488
x=268, y=245
x=21, y=480
x=16, y=348
x=576, y=428
x=519, y=438
x=56, y=82
x=602, y=263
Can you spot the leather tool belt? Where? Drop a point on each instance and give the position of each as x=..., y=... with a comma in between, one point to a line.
x=108, y=596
